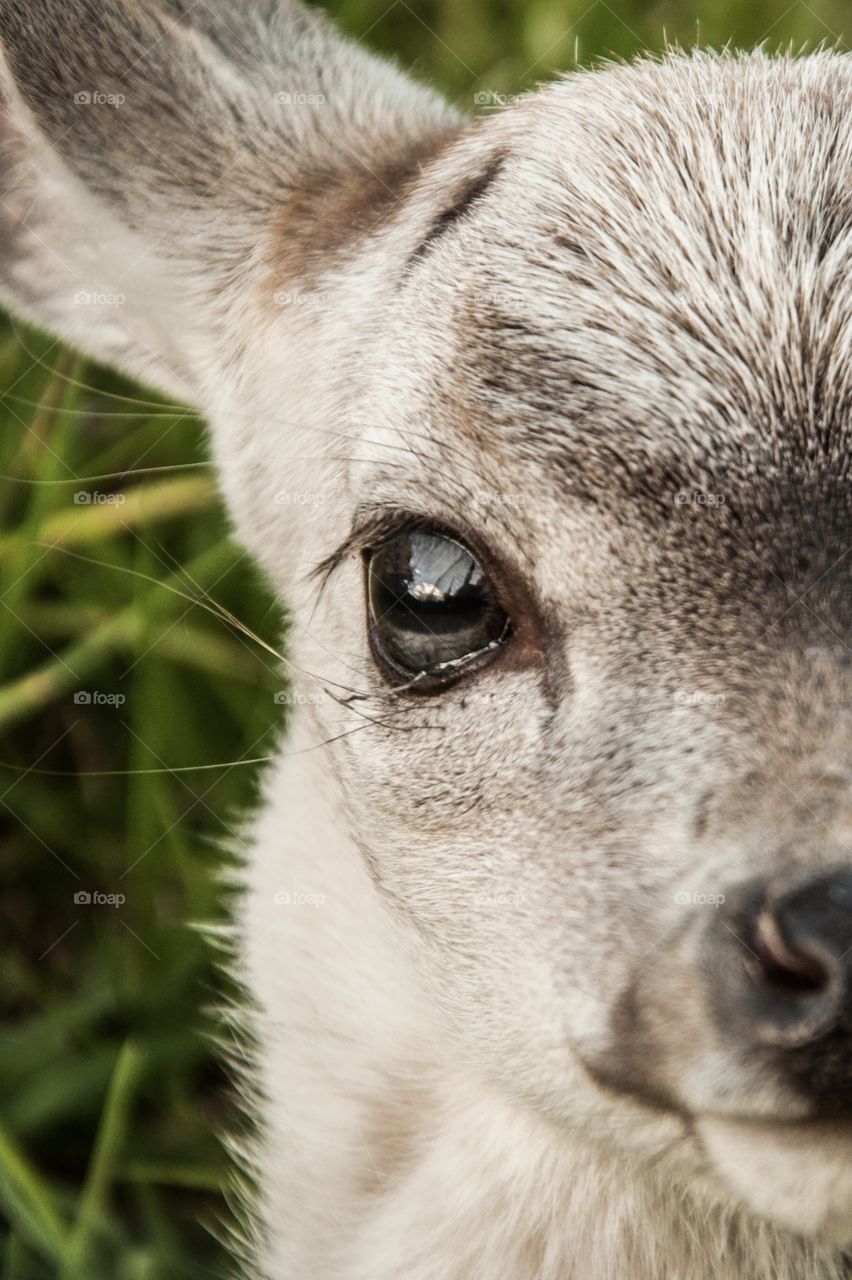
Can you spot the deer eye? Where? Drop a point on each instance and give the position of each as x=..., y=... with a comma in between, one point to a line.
x=433, y=611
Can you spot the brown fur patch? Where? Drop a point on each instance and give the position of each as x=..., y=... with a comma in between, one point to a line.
x=393, y=1136
x=333, y=210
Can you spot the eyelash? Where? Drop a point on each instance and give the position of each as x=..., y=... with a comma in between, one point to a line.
x=371, y=532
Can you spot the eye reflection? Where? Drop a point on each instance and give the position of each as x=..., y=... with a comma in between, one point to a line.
x=432, y=607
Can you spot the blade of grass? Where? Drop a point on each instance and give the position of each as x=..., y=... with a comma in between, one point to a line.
x=145, y=504
x=191, y=1177
x=28, y=1203
x=59, y=392
x=109, y=1146
x=36, y=690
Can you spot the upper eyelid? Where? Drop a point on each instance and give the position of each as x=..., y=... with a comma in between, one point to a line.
x=369, y=528
x=373, y=525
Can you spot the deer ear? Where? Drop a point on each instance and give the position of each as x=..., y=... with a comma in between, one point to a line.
x=68, y=265
x=148, y=148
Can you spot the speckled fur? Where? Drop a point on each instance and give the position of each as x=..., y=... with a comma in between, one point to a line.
x=605, y=334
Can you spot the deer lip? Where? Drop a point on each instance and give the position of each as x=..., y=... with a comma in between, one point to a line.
x=794, y=1172
x=620, y=1081
x=797, y=1173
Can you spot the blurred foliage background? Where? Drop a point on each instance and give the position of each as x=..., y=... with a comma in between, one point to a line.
x=115, y=656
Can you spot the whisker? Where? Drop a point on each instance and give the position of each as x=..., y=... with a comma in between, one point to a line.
x=347, y=704
x=130, y=773
x=193, y=768
x=211, y=607
x=336, y=738
x=166, y=410
x=181, y=570
x=107, y=475
x=97, y=413
x=85, y=386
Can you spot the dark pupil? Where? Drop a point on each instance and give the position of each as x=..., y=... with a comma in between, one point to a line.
x=431, y=602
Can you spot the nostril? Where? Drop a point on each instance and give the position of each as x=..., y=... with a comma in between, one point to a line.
x=800, y=961
x=779, y=964
x=786, y=967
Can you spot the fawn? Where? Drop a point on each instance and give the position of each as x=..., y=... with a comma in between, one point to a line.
x=540, y=423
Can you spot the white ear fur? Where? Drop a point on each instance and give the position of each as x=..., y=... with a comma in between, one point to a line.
x=69, y=266
x=148, y=149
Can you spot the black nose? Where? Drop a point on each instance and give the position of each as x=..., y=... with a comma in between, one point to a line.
x=802, y=959
x=780, y=968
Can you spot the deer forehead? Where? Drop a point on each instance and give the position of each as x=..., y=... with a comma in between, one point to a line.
x=652, y=261
x=644, y=268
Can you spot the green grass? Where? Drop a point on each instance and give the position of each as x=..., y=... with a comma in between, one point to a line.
x=109, y=1094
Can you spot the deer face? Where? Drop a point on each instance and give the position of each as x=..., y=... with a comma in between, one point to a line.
x=595, y=595
x=541, y=426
